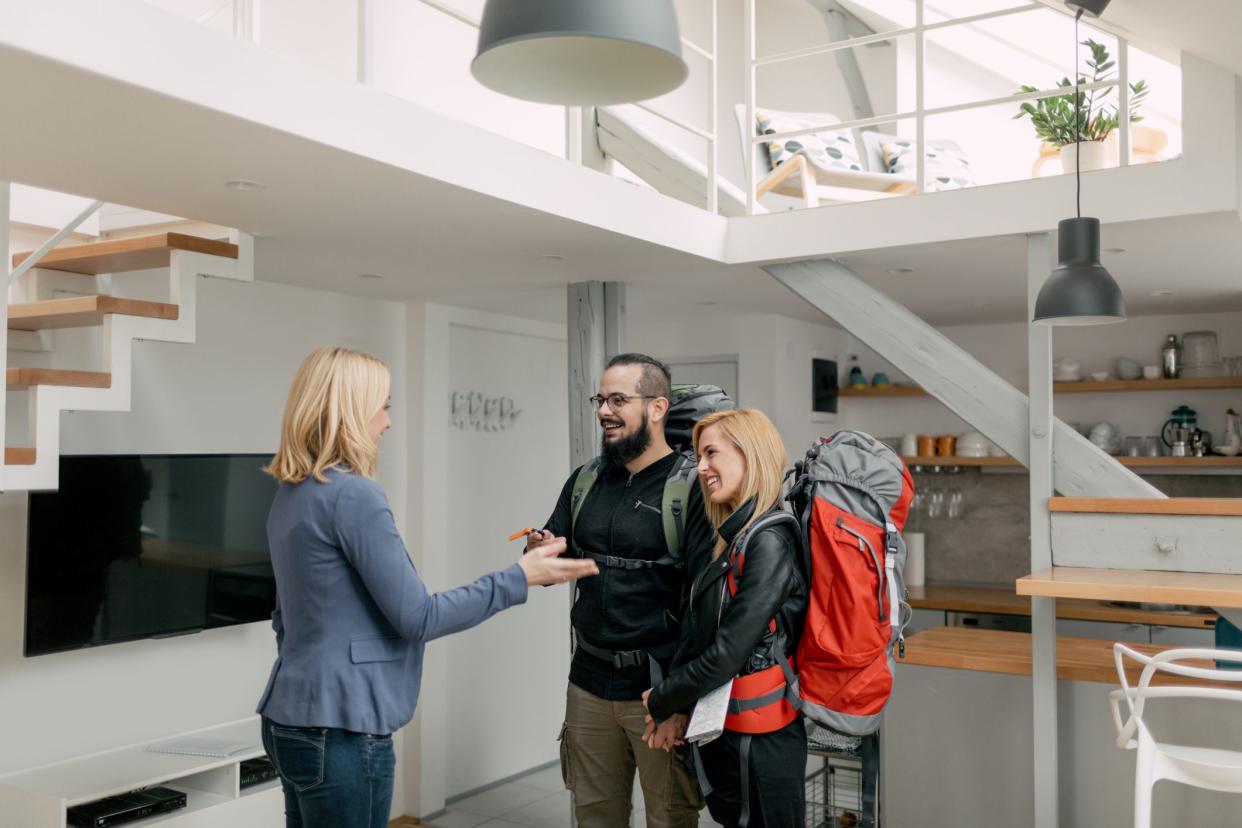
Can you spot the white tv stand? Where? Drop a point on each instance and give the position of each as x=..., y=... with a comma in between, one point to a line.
x=39, y=798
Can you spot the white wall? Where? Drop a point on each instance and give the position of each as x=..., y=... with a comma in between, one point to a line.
x=774, y=356
x=492, y=698
x=223, y=394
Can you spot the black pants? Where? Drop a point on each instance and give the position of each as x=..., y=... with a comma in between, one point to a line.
x=777, y=772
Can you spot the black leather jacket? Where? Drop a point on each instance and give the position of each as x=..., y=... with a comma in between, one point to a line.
x=710, y=653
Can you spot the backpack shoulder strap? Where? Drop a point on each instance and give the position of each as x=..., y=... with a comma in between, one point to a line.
x=674, y=502
x=583, y=481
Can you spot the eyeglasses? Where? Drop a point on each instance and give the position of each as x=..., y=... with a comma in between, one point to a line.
x=616, y=401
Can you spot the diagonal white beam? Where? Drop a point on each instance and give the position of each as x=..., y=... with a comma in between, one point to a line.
x=969, y=388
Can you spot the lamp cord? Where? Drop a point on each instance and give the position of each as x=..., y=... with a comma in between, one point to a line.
x=1077, y=116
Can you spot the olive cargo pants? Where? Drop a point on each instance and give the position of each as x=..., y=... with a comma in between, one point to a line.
x=601, y=746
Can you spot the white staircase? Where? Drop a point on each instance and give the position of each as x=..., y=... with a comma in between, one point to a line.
x=94, y=270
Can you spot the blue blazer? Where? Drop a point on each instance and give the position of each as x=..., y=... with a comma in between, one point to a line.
x=352, y=616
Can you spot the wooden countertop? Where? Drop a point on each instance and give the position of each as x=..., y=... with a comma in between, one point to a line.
x=996, y=651
x=1194, y=588
x=1007, y=602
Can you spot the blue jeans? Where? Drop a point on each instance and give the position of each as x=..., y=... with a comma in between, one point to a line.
x=332, y=778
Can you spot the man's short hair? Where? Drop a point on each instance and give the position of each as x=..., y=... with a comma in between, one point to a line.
x=656, y=379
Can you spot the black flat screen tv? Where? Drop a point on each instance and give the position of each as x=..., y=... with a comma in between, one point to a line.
x=140, y=546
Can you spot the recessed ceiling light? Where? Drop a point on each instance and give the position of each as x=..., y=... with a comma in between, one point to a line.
x=1113, y=250
x=551, y=257
x=369, y=276
x=896, y=270
x=243, y=184
x=1164, y=292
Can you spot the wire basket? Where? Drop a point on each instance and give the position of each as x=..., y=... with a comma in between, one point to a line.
x=833, y=788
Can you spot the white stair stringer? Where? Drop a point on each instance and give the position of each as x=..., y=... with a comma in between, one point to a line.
x=119, y=332
x=950, y=374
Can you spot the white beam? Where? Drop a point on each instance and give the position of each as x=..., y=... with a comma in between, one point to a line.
x=1043, y=610
x=587, y=349
x=950, y=374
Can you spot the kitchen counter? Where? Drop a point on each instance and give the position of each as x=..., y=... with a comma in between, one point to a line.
x=1007, y=602
x=996, y=651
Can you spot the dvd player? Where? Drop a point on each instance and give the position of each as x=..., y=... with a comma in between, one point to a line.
x=123, y=808
x=256, y=772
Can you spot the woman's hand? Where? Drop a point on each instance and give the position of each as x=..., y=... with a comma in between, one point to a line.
x=666, y=734
x=543, y=566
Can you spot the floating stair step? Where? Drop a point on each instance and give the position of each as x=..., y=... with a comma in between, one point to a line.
x=81, y=312
x=122, y=255
x=25, y=377
x=19, y=456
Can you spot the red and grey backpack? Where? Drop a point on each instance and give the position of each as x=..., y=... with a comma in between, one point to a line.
x=851, y=495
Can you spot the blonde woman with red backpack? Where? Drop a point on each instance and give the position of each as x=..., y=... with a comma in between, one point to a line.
x=744, y=615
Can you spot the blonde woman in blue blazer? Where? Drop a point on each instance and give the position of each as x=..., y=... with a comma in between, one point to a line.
x=352, y=616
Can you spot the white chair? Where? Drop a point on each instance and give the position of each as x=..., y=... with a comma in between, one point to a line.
x=1201, y=767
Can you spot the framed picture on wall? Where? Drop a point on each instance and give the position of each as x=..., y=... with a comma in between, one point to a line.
x=823, y=386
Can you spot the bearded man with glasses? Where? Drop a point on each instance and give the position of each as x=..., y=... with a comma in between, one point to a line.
x=616, y=510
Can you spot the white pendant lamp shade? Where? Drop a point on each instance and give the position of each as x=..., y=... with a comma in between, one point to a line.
x=580, y=52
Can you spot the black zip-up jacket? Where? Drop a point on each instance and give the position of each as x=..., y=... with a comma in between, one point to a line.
x=711, y=653
x=622, y=609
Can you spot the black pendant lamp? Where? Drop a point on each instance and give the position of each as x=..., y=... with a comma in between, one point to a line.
x=1079, y=291
x=580, y=52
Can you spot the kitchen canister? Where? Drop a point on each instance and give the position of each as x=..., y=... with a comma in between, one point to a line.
x=915, y=570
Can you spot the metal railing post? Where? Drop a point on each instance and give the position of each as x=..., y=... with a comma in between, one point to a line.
x=1123, y=103
x=749, y=145
x=713, y=151
x=920, y=133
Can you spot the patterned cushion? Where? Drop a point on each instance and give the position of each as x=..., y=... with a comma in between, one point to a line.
x=947, y=167
x=830, y=150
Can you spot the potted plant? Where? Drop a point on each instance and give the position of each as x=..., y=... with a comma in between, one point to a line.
x=1082, y=121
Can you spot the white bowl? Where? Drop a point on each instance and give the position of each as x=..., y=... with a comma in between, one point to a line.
x=1151, y=372
x=1099, y=376
x=1227, y=451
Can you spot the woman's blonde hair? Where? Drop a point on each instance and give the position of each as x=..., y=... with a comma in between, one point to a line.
x=335, y=394
x=764, y=453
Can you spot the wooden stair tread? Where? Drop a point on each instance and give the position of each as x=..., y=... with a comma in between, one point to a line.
x=19, y=456
x=1008, y=602
x=23, y=377
x=82, y=311
x=1143, y=585
x=1212, y=506
x=999, y=651
x=121, y=255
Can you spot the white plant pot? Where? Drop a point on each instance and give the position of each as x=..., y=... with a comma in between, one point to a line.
x=1093, y=156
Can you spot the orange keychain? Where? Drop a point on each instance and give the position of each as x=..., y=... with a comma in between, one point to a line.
x=522, y=534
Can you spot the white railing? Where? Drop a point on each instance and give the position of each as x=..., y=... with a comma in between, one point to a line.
x=246, y=16
x=920, y=112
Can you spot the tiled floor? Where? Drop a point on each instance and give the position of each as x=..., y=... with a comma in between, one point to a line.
x=537, y=800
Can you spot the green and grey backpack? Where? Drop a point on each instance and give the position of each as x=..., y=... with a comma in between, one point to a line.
x=688, y=405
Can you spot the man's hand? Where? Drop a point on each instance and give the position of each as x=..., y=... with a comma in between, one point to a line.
x=537, y=537
x=666, y=734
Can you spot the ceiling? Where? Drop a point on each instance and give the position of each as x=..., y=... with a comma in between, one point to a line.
x=326, y=216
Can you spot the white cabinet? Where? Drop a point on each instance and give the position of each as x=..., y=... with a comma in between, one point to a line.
x=1183, y=637
x=1104, y=630
x=41, y=797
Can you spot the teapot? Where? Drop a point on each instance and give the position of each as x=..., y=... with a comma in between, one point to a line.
x=1184, y=417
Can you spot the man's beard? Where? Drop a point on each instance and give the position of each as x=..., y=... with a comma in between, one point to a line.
x=616, y=453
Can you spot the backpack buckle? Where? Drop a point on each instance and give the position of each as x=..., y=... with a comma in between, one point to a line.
x=628, y=658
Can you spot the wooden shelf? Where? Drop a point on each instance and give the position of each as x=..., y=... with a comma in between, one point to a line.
x=1008, y=602
x=1084, y=387
x=1211, y=506
x=127, y=254
x=1199, y=589
x=883, y=391
x=1204, y=384
x=81, y=312
x=997, y=651
x=25, y=377
x=19, y=457
x=1133, y=462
